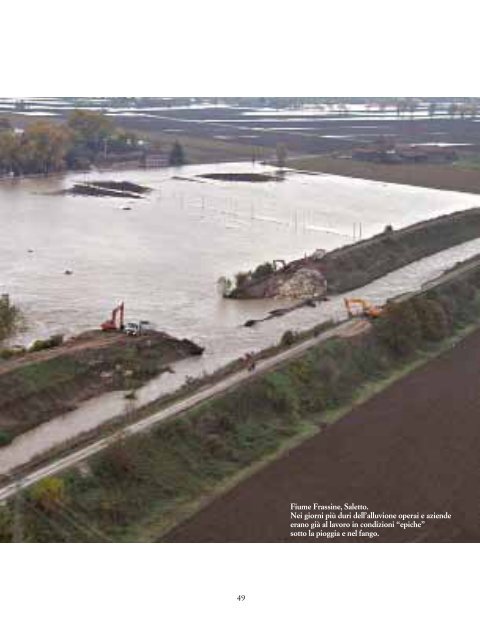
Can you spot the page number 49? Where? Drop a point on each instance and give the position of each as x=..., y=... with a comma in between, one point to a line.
x=240, y=598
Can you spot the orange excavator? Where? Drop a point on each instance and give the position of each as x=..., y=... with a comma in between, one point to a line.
x=359, y=307
x=115, y=323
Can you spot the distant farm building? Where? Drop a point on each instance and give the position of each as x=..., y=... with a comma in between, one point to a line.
x=406, y=154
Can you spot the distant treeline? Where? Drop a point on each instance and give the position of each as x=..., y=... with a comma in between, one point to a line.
x=45, y=147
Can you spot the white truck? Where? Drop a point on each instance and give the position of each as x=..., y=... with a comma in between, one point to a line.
x=137, y=328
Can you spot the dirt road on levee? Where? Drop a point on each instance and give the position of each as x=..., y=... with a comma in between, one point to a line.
x=414, y=447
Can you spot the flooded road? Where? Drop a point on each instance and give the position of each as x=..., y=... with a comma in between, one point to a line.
x=164, y=256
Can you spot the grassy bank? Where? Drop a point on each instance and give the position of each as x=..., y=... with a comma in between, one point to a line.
x=359, y=264
x=139, y=487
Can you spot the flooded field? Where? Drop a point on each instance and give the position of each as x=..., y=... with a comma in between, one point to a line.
x=250, y=126
x=164, y=255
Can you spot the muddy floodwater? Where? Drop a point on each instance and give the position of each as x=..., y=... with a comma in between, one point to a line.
x=163, y=255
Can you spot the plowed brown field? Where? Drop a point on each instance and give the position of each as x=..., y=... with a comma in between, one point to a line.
x=413, y=447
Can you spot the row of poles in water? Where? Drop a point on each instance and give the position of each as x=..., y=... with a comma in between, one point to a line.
x=298, y=221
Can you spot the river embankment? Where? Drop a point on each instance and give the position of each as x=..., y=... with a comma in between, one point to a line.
x=37, y=386
x=356, y=265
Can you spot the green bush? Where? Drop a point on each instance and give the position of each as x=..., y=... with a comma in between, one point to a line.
x=49, y=343
x=7, y=353
x=434, y=320
x=241, y=278
x=10, y=318
x=263, y=270
x=400, y=328
x=5, y=525
x=288, y=338
x=117, y=462
x=5, y=438
x=283, y=394
x=38, y=345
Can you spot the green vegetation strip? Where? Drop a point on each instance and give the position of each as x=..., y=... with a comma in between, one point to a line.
x=139, y=487
x=359, y=264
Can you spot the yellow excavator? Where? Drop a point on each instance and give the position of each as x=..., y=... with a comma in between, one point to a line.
x=358, y=307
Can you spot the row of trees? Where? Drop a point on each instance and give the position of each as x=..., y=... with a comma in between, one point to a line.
x=87, y=137
x=42, y=148
x=453, y=109
x=45, y=147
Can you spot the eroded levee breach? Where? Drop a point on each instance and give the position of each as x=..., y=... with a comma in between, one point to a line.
x=358, y=264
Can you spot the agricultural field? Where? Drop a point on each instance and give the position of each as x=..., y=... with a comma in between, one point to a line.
x=462, y=176
x=413, y=447
x=216, y=129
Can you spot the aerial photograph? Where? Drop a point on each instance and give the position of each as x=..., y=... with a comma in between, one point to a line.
x=240, y=319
